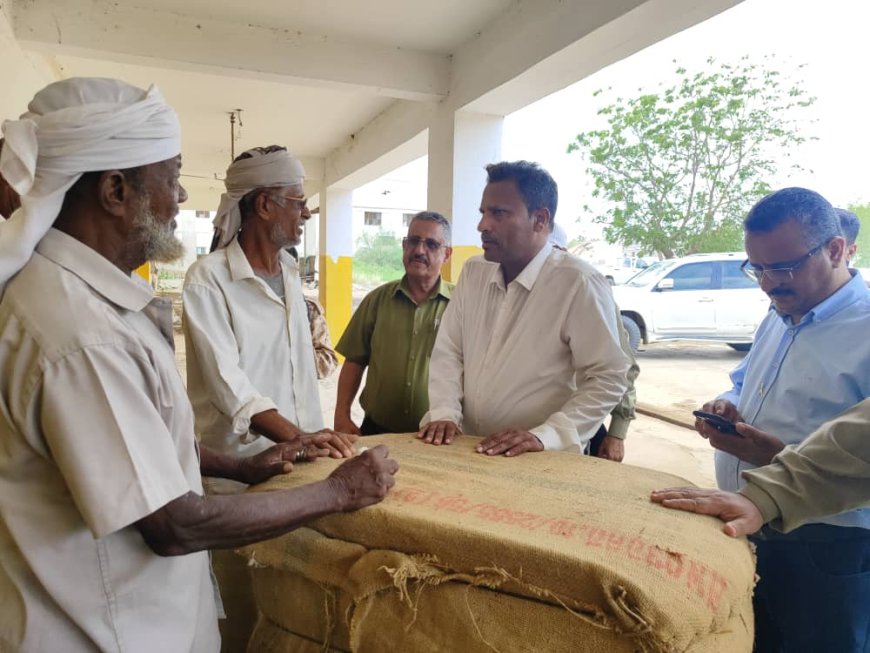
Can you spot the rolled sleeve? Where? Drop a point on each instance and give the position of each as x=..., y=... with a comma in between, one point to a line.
x=209, y=328
x=600, y=368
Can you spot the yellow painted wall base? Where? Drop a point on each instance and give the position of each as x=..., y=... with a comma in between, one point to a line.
x=335, y=293
x=144, y=271
x=461, y=253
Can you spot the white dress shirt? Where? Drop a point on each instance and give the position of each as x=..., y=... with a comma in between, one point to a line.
x=540, y=354
x=96, y=432
x=247, y=351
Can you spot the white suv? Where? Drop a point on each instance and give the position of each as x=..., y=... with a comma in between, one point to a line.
x=698, y=297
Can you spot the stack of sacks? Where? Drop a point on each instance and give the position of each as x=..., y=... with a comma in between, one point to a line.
x=544, y=552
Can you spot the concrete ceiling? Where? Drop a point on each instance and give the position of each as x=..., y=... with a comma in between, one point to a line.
x=339, y=82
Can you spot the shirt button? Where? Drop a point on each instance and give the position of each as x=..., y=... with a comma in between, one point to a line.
x=408, y=384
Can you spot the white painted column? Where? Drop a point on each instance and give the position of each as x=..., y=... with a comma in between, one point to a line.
x=336, y=257
x=460, y=145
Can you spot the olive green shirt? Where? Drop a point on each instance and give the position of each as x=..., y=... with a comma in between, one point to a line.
x=393, y=337
x=826, y=474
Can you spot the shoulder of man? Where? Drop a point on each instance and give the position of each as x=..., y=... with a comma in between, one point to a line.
x=73, y=318
x=567, y=263
x=208, y=269
x=382, y=292
x=476, y=267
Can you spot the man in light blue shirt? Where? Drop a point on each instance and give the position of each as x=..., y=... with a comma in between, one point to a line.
x=810, y=361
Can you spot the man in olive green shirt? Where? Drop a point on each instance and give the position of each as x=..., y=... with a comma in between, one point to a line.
x=826, y=474
x=393, y=332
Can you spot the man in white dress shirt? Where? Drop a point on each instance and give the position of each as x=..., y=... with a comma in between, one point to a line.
x=251, y=369
x=251, y=372
x=527, y=355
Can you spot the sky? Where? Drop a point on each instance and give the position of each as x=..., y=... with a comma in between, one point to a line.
x=829, y=37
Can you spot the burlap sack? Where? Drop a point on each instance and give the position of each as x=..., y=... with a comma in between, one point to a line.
x=548, y=551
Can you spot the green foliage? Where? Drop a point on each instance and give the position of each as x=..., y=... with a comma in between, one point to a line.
x=862, y=256
x=679, y=168
x=378, y=259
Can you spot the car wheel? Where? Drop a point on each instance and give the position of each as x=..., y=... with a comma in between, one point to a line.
x=740, y=346
x=633, y=330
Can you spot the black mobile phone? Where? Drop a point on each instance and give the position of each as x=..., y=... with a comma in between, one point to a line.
x=716, y=421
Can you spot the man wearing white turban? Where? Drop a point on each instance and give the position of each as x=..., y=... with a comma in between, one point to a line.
x=103, y=523
x=251, y=370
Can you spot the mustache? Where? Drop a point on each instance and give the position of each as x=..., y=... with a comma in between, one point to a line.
x=780, y=292
x=487, y=239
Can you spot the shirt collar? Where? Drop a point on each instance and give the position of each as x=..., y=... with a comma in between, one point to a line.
x=129, y=292
x=529, y=274
x=239, y=266
x=441, y=289
x=237, y=262
x=843, y=297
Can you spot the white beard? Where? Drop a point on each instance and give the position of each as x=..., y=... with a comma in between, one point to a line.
x=157, y=240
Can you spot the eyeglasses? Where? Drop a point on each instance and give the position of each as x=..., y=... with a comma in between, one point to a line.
x=303, y=201
x=780, y=271
x=413, y=242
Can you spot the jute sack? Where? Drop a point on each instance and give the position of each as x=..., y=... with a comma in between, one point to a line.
x=547, y=551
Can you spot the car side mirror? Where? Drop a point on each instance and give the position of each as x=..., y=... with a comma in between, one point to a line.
x=665, y=284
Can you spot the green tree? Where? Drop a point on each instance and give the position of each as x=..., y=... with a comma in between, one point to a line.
x=378, y=258
x=862, y=256
x=679, y=168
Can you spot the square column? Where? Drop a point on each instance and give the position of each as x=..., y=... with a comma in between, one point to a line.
x=336, y=258
x=460, y=145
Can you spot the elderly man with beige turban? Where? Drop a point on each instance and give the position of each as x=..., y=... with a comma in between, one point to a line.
x=251, y=373
x=103, y=523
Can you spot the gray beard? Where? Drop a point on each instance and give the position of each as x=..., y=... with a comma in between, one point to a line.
x=279, y=238
x=157, y=240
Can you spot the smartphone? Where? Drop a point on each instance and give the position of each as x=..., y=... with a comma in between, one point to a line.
x=716, y=421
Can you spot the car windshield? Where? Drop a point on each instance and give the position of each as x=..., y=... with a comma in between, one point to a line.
x=649, y=274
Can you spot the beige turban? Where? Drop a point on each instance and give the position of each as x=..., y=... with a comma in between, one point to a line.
x=71, y=127
x=259, y=171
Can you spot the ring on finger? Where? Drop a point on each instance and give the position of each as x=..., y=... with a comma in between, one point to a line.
x=300, y=455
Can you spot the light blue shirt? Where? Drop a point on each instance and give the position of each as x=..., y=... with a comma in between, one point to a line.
x=798, y=376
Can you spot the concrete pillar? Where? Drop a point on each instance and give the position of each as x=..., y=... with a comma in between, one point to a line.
x=336, y=258
x=460, y=145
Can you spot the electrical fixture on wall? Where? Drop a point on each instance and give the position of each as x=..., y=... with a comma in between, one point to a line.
x=235, y=116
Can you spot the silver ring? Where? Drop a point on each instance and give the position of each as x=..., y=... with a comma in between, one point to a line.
x=300, y=455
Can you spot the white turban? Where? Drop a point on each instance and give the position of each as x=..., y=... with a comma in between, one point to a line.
x=259, y=171
x=71, y=127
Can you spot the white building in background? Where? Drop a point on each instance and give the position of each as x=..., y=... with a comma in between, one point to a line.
x=195, y=230
x=388, y=204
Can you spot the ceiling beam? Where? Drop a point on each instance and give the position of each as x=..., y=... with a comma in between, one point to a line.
x=107, y=29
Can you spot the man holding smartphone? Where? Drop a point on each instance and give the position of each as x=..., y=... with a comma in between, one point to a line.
x=809, y=362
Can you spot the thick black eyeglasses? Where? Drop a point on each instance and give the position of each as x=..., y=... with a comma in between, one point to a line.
x=413, y=242
x=780, y=271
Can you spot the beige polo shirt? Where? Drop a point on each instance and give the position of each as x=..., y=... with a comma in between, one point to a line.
x=95, y=433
